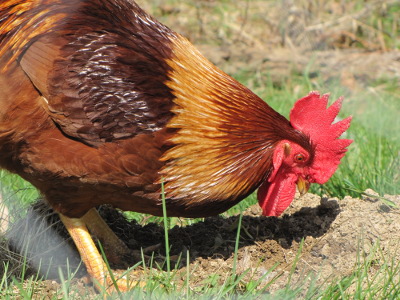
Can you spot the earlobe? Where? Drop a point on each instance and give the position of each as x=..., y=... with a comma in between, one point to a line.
x=287, y=149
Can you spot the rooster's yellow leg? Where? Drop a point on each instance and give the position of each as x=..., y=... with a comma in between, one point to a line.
x=115, y=249
x=91, y=257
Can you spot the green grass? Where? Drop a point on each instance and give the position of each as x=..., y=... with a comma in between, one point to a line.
x=15, y=187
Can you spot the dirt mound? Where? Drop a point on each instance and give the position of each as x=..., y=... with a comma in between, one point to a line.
x=337, y=234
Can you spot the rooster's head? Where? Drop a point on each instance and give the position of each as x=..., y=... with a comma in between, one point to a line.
x=292, y=164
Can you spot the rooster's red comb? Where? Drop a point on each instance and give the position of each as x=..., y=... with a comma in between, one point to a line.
x=311, y=116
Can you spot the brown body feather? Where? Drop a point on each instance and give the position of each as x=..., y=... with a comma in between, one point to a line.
x=100, y=103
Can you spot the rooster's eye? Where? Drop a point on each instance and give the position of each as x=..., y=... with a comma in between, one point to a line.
x=299, y=158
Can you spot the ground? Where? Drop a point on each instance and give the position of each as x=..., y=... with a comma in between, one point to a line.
x=326, y=236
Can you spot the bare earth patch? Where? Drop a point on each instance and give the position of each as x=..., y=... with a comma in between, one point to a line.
x=334, y=235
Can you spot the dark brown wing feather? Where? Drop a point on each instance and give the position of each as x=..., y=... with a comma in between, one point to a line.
x=101, y=69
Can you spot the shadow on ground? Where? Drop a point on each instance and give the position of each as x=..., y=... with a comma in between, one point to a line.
x=42, y=238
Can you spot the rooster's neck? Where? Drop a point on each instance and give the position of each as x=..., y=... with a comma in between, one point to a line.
x=225, y=133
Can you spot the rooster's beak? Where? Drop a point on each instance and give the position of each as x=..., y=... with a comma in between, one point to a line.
x=302, y=185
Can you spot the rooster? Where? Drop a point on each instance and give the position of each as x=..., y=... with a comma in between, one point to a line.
x=102, y=104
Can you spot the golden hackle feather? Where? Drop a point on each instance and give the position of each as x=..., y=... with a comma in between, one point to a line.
x=221, y=149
